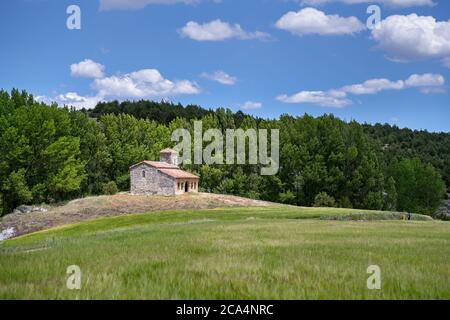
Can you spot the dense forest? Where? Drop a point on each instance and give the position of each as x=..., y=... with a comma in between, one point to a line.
x=51, y=154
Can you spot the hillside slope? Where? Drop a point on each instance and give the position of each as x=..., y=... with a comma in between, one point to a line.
x=109, y=206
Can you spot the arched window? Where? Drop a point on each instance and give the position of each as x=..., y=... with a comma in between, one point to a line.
x=143, y=173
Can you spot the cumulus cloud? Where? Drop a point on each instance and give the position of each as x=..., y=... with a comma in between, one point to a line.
x=72, y=99
x=426, y=83
x=147, y=83
x=221, y=77
x=313, y=21
x=413, y=37
x=425, y=80
x=338, y=98
x=87, y=69
x=390, y=3
x=332, y=98
x=141, y=84
x=251, y=105
x=373, y=86
x=218, y=30
x=138, y=4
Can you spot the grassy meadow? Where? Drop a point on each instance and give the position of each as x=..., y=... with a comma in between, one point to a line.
x=233, y=253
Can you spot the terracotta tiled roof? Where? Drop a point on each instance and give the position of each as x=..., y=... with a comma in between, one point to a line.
x=168, y=169
x=161, y=165
x=156, y=164
x=178, y=174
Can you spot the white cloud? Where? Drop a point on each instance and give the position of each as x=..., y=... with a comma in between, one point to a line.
x=413, y=37
x=251, y=105
x=338, y=98
x=218, y=30
x=142, y=84
x=313, y=21
x=330, y=98
x=147, y=83
x=72, y=99
x=425, y=80
x=374, y=86
x=138, y=4
x=390, y=3
x=426, y=83
x=88, y=69
x=221, y=77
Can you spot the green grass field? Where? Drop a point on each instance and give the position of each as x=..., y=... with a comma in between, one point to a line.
x=233, y=253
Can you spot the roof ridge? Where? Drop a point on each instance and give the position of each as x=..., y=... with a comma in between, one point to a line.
x=156, y=164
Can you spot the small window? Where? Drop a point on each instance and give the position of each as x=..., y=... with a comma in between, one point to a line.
x=143, y=173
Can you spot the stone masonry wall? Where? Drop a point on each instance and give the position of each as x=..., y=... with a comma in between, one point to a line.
x=154, y=182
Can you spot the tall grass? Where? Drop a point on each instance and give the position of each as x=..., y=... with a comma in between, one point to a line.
x=236, y=253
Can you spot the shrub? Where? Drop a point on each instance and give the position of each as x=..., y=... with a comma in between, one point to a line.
x=287, y=197
x=378, y=216
x=324, y=200
x=110, y=188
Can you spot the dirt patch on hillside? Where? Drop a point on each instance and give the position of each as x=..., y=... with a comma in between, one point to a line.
x=120, y=204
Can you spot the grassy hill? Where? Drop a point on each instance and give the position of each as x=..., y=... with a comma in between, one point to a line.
x=239, y=252
x=91, y=208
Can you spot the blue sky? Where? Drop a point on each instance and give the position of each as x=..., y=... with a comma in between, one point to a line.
x=267, y=57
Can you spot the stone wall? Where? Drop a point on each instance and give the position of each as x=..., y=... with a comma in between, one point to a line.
x=171, y=158
x=443, y=213
x=153, y=182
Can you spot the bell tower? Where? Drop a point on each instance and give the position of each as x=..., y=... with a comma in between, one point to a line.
x=169, y=156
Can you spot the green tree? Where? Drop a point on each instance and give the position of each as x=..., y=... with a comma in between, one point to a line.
x=66, y=171
x=17, y=188
x=390, y=195
x=420, y=188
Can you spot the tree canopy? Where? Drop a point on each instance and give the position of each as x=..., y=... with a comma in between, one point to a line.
x=50, y=154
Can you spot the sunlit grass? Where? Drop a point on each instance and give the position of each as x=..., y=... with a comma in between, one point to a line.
x=235, y=253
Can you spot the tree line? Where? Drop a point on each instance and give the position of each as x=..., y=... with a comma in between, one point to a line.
x=52, y=154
